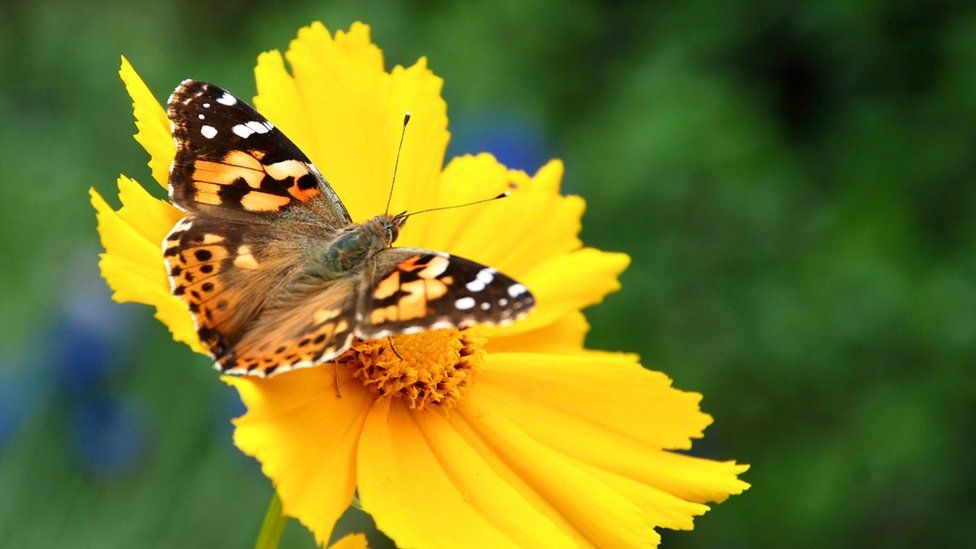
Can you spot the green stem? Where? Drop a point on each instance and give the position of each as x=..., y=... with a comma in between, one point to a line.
x=274, y=525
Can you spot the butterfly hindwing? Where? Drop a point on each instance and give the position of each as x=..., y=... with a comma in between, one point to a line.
x=312, y=322
x=232, y=162
x=225, y=272
x=409, y=290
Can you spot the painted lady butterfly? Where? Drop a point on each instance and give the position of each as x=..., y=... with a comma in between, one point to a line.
x=275, y=272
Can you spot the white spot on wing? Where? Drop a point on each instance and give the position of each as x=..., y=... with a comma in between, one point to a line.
x=200, y=116
x=482, y=279
x=516, y=290
x=503, y=302
x=258, y=127
x=208, y=131
x=485, y=306
x=206, y=105
x=242, y=130
x=464, y=303
x=227, y=99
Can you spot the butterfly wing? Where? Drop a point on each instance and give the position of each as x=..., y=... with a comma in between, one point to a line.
x=226, y=272
x=257, y=207
x=313, y=322
x=410, y=290
x=231, y=162
x=255, y=308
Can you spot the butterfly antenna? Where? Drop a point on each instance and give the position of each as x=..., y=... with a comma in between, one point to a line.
x=396, y=164
x=483, y=200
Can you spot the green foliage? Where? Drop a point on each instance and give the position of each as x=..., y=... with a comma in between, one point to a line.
x=795, y=185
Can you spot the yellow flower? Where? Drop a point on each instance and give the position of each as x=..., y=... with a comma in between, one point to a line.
x=351, y=541
x=486, y=437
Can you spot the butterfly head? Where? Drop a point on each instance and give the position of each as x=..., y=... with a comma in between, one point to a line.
x=388, y=226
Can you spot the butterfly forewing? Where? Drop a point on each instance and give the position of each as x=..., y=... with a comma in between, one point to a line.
x=232, y=162
x=410, y=290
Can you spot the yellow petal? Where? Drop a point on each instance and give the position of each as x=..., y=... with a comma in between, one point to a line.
x=427, y=486
x=132, y=264
x=564, y=336
x=535, y=223
x=351, y=541
x=613, y=415
x=660, y=508
x=590, y=508
x=151, y=121
x=345, y=112
x=305, y=439
x=607, y=395
x=278, y=99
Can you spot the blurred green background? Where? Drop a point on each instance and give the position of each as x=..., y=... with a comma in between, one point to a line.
x=794, y=183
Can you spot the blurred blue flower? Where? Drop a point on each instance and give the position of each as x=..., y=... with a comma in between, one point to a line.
x=110, y=435
x=89, y=336
x=515, y=141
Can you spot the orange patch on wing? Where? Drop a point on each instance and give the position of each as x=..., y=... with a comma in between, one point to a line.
x=323, y=315
x=414, y=304
x=385, y=314
x=206, y=193
x=293, y=170
x=435, y=267
x=263, y=202
x=286, y=168
x=204, y=253
x=245, y=261
x=429, y=290
x=303, y=194
x=219, y=173
x=388, y=286
x=243, y=160
x=410, y=264
x=328, y=329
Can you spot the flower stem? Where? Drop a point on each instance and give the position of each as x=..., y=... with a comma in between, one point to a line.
x=273, y=526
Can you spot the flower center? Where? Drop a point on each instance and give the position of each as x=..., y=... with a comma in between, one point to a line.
x=428, y=368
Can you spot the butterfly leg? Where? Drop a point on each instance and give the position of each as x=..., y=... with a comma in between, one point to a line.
x=389, y=340
x=338, y=392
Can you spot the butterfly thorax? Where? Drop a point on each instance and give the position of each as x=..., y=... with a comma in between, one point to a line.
x=356, y=244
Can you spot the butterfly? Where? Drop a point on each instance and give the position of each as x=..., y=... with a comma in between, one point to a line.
x=276, y=274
